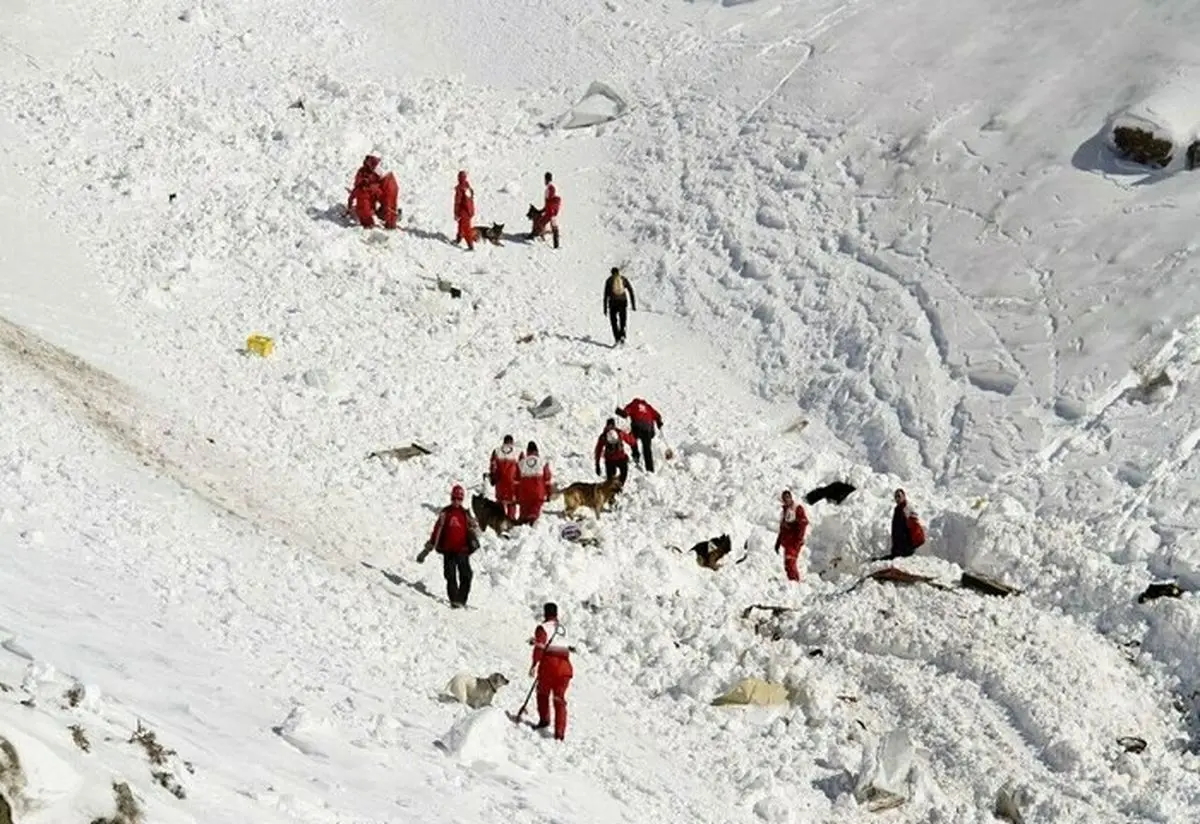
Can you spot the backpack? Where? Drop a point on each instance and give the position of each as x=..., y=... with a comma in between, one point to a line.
x=618, y=286
x=916, y=532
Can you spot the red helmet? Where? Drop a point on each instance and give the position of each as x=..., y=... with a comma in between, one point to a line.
x=457, y=493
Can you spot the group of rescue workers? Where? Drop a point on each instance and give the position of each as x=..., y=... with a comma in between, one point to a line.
x=522, y=479
x=376, y=196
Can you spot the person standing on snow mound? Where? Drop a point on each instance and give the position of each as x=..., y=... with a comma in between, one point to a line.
x=533, y=484
x=456, y=536
x=502, y=472
x=464, y=211
x=618, y=293
x=373, y=195
x=643, y=420
x=793, y=524
x=548, y=218
x=907, y=532
x=552, y=665
x=611, y=446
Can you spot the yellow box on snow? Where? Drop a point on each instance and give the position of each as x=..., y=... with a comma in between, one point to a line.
x=260, y=345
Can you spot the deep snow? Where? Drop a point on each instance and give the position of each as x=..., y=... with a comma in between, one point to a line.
x=897, y=222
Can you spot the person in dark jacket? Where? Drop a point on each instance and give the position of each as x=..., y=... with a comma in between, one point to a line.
x=455, y=535
x=643, y=421
x=618, y=294
x=907, y=532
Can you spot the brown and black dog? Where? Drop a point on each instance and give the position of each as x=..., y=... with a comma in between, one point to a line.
x=595, y=496
x=489, y=514
x=492, y=234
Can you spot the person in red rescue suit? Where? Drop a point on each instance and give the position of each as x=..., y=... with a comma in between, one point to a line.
x=643, y=418
x=611, y=446
x=502, y=472
x=373, y=195
x=464, y=210
x=552, y=665
x=548, y=219
x=533, y=484
x=907, y=532
x=455, y=535
x=793, y=524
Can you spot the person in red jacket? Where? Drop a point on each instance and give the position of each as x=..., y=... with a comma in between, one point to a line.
x=455, y=535
x=611, y=446
x=793, y=524
x=464, y=210
x=533, y=484
x=552, y=665
x=502, y=472
x=643, y=420
x=373, y=195
x=548, y=218
x=908, y=534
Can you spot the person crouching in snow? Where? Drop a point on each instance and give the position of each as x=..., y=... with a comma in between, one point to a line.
x=455, y=536
x=907, y=532
x=464, y=210
x=373, y=195
x=643, y=418
x=552, y=665
x=793, y=524
x=611, y=446
x=533, y=484
x=502, y=472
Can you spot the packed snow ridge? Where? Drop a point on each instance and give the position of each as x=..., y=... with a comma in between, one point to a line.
x=860, y=255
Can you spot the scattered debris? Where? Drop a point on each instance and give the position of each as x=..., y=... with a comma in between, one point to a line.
x=449, y=288
x=169, y=782
x=156, y=752
x=1132, y=744
x=128, y=811
x=895, y=575
x=5, y=687
x=401, y=453
x=837, y=492
x=547, y=408
x=986, y=586
x=775, y=611
x=80, y=739
x=1010, y=802
x=887, y=774
x=260, y=345
x=12, y=780
x=526, y=338
x=299, y=104
x=753, y=691
x=600, y=104
x=796, y=426
x=74, y=695
x=171, y=198
x=1147, y=391
x=1167, y=589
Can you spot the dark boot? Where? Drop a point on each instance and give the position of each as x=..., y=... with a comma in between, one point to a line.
x=555, y=233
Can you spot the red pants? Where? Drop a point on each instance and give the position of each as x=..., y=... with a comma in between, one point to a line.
x=791, y=557
x=553, y=680
x=531, y=510
x=465, y=232
x=506, y=495
x=382, y=197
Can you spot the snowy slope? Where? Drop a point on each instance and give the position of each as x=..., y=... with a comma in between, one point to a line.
x=828, y=214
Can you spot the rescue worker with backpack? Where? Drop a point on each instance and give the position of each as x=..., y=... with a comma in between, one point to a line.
x=907, y=532
x=533, y=484
x=618, y=294
x=793, y=524
x=552, y=666
x=611, y=447
x=456, y=536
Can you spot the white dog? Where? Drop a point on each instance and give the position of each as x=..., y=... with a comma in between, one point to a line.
x=472, y=691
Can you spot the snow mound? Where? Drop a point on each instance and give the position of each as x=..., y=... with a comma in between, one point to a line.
x=600, y=104
x=1163, y=128
x=478, y=736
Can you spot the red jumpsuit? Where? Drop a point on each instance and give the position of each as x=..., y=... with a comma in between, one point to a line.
x=552, y=658
x=533, y=487
x=793, y=524
x=464, y=210
x=372, y=191
x=503, y=470
x=549, y=216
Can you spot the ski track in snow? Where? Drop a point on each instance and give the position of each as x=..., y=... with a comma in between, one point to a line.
x=205, y=514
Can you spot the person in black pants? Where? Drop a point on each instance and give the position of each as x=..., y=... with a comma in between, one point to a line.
x=618, y=293
x=456, y=537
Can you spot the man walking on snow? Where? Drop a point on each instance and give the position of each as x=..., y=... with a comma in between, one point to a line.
x=533, y=484
x=618, y=293
x=455, y=535
x=548, y=218
x=907, y=532
x=611, y=446
x=464, y=211
x=793, y=524
x=643, y=418
x=552, y=665
x=502, y=472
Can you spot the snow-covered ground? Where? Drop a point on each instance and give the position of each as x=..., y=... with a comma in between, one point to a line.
x=898, y=222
